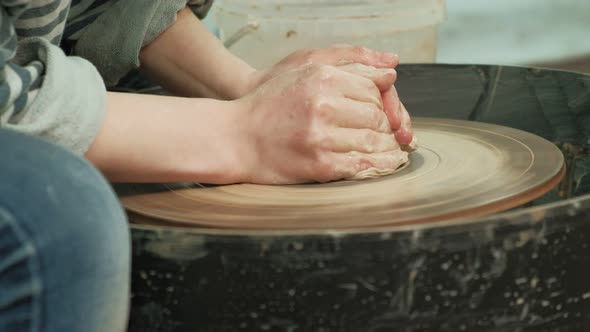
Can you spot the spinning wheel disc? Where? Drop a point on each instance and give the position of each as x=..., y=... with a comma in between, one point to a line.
x=460, y=169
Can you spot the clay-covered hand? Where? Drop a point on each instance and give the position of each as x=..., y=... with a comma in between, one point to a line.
x=399, y=119
x=345, y=55
x=317, y=123
x=336, y=55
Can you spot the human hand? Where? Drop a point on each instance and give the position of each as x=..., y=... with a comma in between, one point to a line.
x=317, y=123
x=399, y=119
x=336, y=55
x=345, y=55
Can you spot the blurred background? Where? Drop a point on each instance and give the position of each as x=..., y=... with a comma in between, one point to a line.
x=546, y=33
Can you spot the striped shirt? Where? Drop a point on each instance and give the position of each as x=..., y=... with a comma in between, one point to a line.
x=57, y=56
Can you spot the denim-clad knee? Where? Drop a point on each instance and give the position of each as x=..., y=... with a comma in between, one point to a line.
x=64, y=242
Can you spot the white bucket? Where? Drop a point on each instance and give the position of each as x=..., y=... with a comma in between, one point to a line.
x=264, y=31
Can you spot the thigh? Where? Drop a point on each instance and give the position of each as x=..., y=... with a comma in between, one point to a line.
x=64, y=241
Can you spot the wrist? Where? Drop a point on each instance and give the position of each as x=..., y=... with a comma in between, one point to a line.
x=234, y=158
x=148, y=138
x=245, y=81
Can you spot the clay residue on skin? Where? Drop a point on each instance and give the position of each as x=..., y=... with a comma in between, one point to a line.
x=402, y=154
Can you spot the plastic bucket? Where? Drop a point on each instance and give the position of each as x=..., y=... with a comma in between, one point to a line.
x=264, y=31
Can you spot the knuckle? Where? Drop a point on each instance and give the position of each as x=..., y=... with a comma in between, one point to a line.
x=375, y=116
x=381, y=121
x=385, y=127
x=376, y=94
x=368, y=85
x=319, y=141
x=322, y=77
x=318, y=71
x=324, y=72
x=325, y=142
x=360, y=162
x=324, y=112
x=371, y=86
x=359, y=68
x=366, y=162
x=324, y=168
x=315, y=139
x=308, y=69
x=307, y=55
x=371, y=137
x=310, y=86
x=361, y=51
x=368, y=141
x=320, y=106
x=367, y=55
x=299, y=140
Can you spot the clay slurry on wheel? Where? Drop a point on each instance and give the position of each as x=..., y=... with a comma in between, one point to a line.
x=461, y=169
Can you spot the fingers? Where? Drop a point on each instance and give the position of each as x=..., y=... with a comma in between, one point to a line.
x=398, y=117
x=396, y=113
x=361, y=83
x=348, y=113
x=404, y=135
x=347, y=165
x=359, y=140
x=345, y=54
x=391, y=108
x=382, y=78
x=360, y=89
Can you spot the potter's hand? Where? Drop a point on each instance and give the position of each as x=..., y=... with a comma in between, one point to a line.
x=317, y=123
x=345, y=55
x=336, y=55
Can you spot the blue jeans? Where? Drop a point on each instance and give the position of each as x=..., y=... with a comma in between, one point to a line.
x=64, y=242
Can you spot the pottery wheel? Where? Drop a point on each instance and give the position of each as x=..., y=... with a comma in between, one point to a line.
x=461, y=169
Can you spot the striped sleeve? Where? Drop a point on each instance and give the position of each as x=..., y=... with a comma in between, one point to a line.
x=112, y=41
x=42, y=91
x=15, y=81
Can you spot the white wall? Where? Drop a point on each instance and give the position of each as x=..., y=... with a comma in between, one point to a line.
x=514, y=31
x=511, y=31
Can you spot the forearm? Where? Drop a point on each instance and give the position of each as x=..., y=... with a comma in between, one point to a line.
x=188, y=60
x=166, y=139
